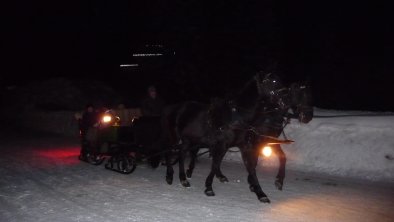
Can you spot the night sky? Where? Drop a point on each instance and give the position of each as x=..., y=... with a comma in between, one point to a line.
x=343, y=49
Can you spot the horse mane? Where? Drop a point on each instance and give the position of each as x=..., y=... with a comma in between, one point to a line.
x=245, y=97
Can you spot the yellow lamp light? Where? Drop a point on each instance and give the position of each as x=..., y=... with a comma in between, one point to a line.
x=266, y=151
x=107, y=118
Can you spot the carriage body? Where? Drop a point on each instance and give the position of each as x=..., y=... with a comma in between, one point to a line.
x=120, y=146
x=111, y=138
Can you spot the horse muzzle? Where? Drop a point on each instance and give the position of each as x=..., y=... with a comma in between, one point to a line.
x=305, y=117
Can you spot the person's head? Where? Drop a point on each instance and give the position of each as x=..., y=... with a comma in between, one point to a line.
x=152, y=91
x=121, y=106
x=90, y=108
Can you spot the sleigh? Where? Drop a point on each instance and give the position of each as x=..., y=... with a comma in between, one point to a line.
x=121, y=147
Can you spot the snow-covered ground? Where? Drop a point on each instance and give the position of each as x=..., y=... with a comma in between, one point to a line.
x=339, y=169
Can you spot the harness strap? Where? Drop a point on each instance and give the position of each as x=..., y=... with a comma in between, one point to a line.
x=283, y=128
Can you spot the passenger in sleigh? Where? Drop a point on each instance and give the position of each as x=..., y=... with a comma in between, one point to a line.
x=90, y=118
x=152, y=104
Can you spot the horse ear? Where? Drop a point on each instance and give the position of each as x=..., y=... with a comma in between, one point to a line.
x=306, y=84
x=212, y=100
x=308, y=81
x=267, y=75
x=259, y=76
x=294, y=85
x=257, y=79
x=216, y=100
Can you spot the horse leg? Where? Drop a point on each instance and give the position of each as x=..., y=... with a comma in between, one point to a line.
x=222, y=178
x=217, y=155
x=282, y=166
x=250, y=162
x=170, y=170
x=182, y=174
x=193, y=158
x=155, y=159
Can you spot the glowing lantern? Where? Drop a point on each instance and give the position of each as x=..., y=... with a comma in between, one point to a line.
x=266, y=151
x=107, y=118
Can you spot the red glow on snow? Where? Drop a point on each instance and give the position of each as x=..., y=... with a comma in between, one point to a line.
x=64, y=155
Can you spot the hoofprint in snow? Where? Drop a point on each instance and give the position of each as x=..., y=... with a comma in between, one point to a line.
x=43, y=180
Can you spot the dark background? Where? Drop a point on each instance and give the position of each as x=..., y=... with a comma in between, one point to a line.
x=344, y=50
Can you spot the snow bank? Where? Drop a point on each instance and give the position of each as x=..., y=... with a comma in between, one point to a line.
x=346, y=146
x=59, y=122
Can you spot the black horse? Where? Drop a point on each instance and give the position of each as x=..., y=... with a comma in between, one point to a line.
x=244, y=122
x=277, y=104
x=189, y=126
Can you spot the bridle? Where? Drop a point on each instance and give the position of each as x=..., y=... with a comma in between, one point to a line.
x=301, y=108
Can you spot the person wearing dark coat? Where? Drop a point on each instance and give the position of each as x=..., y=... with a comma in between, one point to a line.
x=89, y=119
x=152, y=104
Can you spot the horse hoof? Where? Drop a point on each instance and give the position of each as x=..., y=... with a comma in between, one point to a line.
x=209, y=193
x=169, y=180
x=223, y=179
x=264, y=200
x=278, y=184
x=185, y=183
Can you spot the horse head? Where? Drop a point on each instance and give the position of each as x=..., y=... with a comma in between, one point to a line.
x=272, y=90
x=296, y=98
x=300, y=100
